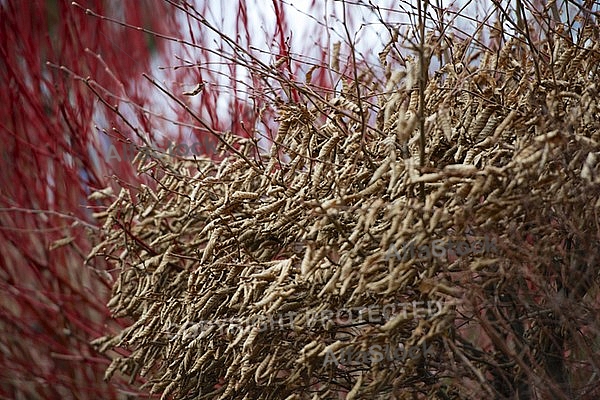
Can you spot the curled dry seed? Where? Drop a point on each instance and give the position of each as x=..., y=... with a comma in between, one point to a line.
x=111, y=368
x=382, y=169
x=199, y=362
x=480, y=123
x=309, y=350
x=329, y=146
x=469, y=156
x=460, y=170
x=344, y=104
x=261, y=370
x=199, y=87
x=332, y=348
x=414, y=101
x=231, y=168
x=270, y=208
x=588, y=166
x=244, y=196
x=268, y=299
x=168, y=390
x=355, y=389
x=208, y=250
x=102, y=194
x=335, y=57
x=250, y=338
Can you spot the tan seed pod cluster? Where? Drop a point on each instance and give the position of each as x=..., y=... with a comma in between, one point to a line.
x=238, y=274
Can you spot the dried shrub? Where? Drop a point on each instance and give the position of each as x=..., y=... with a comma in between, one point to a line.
x=497, y=143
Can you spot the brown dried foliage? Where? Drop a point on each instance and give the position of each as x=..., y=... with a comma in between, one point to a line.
x=512, y=141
